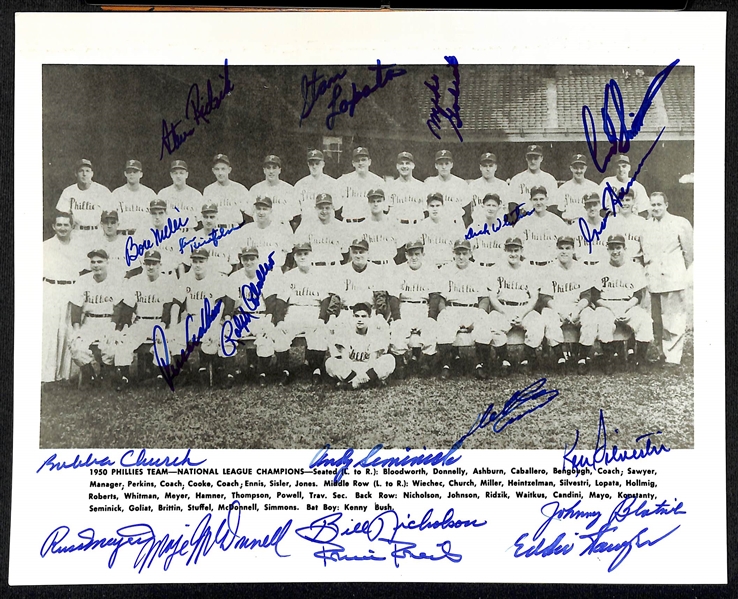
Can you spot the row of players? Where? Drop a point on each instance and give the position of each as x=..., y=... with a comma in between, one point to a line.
x=406, y=195
x=332, y=307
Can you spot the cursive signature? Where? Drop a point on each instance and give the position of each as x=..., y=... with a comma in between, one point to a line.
x=313, y=88
x=452, y=114
x=508, y=220
x=134, y=250
x=213, y=237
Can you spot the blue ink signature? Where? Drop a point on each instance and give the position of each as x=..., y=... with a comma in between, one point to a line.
x=453, y=114
x=134, y=250
x=74, y=464
x=620, y=140
x=171, y=370
x=171, y=140
x=202, y=540
x=505, y=221
x=601, y=453
x=239, y=323
x=141, y=460
x=382, y=528
x=314, y=88
x=213, y=237
x=384, y=74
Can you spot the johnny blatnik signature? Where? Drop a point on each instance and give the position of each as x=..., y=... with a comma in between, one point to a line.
x=452, y=114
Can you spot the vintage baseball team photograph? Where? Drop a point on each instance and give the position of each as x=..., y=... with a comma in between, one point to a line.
x=252, y=257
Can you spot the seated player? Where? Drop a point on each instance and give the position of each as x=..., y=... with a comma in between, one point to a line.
x=564, y=283
x=618, y=294
x=359, y=352
x=513, y=296
x=438, y=232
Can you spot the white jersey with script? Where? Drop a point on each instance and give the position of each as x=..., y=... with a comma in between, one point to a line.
x=456, y=194
x=599, y=254
x=358, y=347
x=642, y=202
x=353, y=189
x=188, y=201
x=489, y=249
x=133, y=206
x=171, y=257
x=308, y=187
x=64, y=261
x=631, y=227
x=284, y=199
x=565, y=285
x=481, y=187
x=149, y=297
x=277, y=238
x=438, y=239
x=514, y=286
x=97, y=298
x=329, y=240
x=384, y=237
x=411, y=285
x=619, y=282
x=522, y=183
x=232, y=200
x=571, y=198
x=244, y=290
x=406, y=200
x=115, y=248
x=191, y=291
x=464, y=285
x=306, y=289
x=221, y=258
x=86, y=205
x=539, y=235
x=353, y=286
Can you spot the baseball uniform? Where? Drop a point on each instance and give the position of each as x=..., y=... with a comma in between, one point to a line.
x=480, y=188
x=565, y=286
x=307, y=188
x=615, y=286
x=522, y=183
x=233, y=202
x=277, y=238
x=598, y=244
x=303, y=293
x=185, y=203
x=456, y=194
x=632, y=228
x=641, y=203
x=285, y=205
x=329, y=240
x=438, y=238
x=384, y=237
x=86, y=204
x=488, y=248
x=356, y=353
x=514, y=288
x=539, y=233
x=353, y=189
x=354, y=286
x=571, y=198
x=406, y=200
x=133, y=207
x=462, y=289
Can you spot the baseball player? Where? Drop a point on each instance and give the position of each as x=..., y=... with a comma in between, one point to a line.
x=250, y=302
x=171, y=257
x=613, y=187
x=359, y=352
x=314, y=184
x=232, y=198
x=631, y=226
x=414, y=301
x=354, y=186
x=406, y=194
x=486, y=243
x=62, y=264
x=182, y=198
x=266, y=233
x=94, y=314
x=540, y=230
x=513, y=296
x=522, y=183
x=592, y=249
x=564, y=292
x=85, y=199
x=668, y=253
x=464, y=305
x=570, y=204
x=486, y=184
x=107, y=238
x=617, y=293
x=132, y=199
x=284, y=200
x=380, y=230
x=438, y=232
x=222, y=255
x=328, y=238
x=301, y=310
x=455, y=191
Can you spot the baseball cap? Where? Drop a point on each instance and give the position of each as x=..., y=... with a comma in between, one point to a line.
x=109, y=214
x=434, y=196
x=414, y=245
x=564, y=239
x=491, y=196
x=314, y=155
x=302, y=246
x=487, y=157
x=591, y=198
x=178, y=164
x=221, y=158
x=375, y=193
x=361, y=306
x=200, y=253
x=100, y=253
x=152, y=256
x=630, y=193
x=249, y=251
x=361, y=244
x=82, y=162
x=536, y=189
x=443, y=155
x=513, y=242
x=323, y=198
x=534, y=149
x=157, y=203
x=209, y=208
x=272, y=159
x=578, y=159
x=622, y=158
x=133, y=164
x=405, y=156
x=265, y=201
x=462, y=244
x=360, y=151
x=615, y=239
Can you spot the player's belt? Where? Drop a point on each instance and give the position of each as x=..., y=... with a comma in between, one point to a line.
x=354, y=220
x=86, y=228
x=591, y=262
x=324, y=263
x=55, y=282
x=90, y=315
x=486, y=263
x=405, y=221
x=616, y=299
x=126, y=231
x=540, y=263
x=507, y=303
x=409, y=301
x=149, y=317
x=380, y=262
x=461, y=305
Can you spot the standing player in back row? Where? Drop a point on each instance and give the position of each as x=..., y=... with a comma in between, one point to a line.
x=314, y=184
x=85, y=200
x=486, y=184
x=570, y=205
x=132, y=200
x=615, y=187
x=354, y=186
x=456, y=194
x=231, y=197
x=285, y=206
x=522, y=183
x=183, y=199
x=406, y=194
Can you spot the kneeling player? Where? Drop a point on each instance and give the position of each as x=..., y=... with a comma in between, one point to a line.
x=359, y=352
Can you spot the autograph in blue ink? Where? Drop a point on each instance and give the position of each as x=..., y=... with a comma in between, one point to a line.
x=235, y=327
x=134, y=250
x=169, y=370
x=54, y=464
x=624, y=510
x=315, y=87
x=382, y=529
x=197, y=108
x=602, y=455
x=452, y=114
x=213, y=237
x=200, y=543
x=506, y=221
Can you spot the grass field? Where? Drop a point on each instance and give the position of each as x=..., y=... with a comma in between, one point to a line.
x=415, y=412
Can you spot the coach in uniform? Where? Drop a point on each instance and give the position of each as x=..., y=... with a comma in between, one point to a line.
x=284, y=200
x=455, y=191
x=354, y=186
x=328, y=238
x=438, y=232
x=523, y=183
x=486, y=184
x=314, y=184
x=132, y=199
x=540, y=230
x=571, y=194
x=184, y=200
x=406, y=194
x=231, y=197
x=85, y=200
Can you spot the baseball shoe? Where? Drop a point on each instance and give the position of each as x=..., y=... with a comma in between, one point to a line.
x=582, y=366
x=262, y=380
x=445, y=373
x=285, y=377
x=505, y=368
x=317, y=377
x=479, y=372
x=122, y=384
x=524, y=367
x=203, y=376
x=340, y=385
x=230, y=381
x=561, y=365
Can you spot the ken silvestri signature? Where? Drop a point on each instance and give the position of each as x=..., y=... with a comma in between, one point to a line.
x=452, y=114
